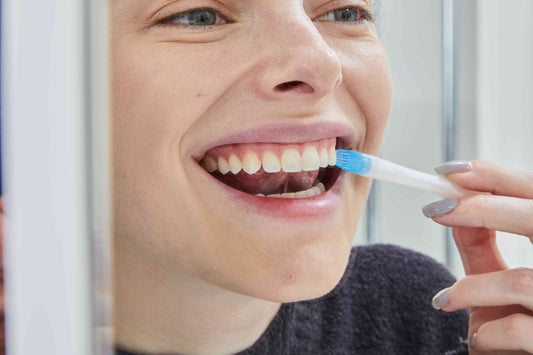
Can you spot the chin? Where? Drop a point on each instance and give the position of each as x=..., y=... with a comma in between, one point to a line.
x=294, y=272
x=313, y=277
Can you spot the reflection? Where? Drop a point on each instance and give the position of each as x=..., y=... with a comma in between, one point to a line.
x=233, y=228
x=223, y=244
x=203, y=263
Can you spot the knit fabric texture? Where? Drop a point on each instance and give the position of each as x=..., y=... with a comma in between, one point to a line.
x=382, y=305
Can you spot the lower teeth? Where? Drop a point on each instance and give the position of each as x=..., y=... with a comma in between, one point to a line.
x=314, y=191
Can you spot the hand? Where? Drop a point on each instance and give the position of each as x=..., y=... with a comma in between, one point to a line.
x=500, y=299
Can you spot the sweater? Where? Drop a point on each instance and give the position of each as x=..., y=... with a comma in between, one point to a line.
x=382, y=305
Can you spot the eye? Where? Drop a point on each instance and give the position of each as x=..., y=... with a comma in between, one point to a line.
x=347, y=14
x=195, y=18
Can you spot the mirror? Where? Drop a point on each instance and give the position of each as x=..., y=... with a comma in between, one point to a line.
x=179, y=118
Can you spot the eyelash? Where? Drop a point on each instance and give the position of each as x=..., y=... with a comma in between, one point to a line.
x=185, y=16
x=171, y=20
x=361, y=12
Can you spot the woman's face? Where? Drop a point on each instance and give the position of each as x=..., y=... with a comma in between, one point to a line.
x=201, y=87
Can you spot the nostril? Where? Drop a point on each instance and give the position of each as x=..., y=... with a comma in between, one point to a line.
x=298, y=86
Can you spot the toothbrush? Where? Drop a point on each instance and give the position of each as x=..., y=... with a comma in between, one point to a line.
x=381, y=169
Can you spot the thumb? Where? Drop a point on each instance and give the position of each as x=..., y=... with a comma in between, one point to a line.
x=478, y=250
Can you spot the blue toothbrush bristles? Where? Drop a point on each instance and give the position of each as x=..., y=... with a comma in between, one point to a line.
x=354, y=162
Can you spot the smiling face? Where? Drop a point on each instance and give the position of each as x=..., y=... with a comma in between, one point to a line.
x=213, y=106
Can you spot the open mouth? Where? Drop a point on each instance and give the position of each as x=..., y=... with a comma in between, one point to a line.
x=301, y=170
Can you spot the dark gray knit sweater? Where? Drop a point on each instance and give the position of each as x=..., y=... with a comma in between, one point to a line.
x=381, y=306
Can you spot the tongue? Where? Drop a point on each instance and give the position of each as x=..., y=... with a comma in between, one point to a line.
x=269, y=183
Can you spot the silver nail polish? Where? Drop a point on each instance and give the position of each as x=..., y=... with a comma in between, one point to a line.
x=472, y=342
x=439, y=208
x=441, y=299
x=454, y=166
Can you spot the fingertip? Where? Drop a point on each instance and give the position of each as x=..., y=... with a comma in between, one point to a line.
x=454, y=166
x=441, y=299
x=472, y=341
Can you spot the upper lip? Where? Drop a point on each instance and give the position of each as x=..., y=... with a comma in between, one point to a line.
x=285, y=133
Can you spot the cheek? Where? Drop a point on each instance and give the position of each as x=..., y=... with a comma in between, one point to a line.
x=367, y=77
x=158, y=94
x=157, y=97
x=158, y=88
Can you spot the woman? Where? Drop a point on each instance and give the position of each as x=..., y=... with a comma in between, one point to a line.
x=218, y=104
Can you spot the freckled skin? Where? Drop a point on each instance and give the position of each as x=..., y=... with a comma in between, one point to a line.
x=174, y=89
x=153, y=81
x=156, y=125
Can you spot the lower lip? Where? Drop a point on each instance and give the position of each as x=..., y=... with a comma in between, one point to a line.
x=320, y=205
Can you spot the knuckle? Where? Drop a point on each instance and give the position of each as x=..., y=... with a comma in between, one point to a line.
x=478, y=204
x=516, y=327
x=483, y=201
x=529, y=206
x=521, y=281
x=529, y=176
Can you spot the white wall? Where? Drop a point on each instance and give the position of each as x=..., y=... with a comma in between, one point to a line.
x=411, y=33
x=505, y=97
x=494, y=107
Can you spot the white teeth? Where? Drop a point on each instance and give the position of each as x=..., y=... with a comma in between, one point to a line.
x=291, y=161
x=209, y=164
x=235, y=164
x=314, y=191
x=324, y=159
x=332, y=156
x=271, y=162
x=274, y=195
x=251, y=163
x=310, y=159
x=287, y=195
x=223, y=166
x=301, y=194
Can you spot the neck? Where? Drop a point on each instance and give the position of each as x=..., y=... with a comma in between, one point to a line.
x=159, y=312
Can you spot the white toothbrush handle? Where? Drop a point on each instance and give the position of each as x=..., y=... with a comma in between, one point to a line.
x=385, y=170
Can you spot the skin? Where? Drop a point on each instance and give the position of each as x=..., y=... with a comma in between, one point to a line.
x=194, y=272
x=180, y=245
x=500, y=299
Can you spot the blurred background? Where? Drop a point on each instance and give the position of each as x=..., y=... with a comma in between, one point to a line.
x=463, y=61
x=463, y=89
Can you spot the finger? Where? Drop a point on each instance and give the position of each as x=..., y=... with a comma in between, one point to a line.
x=488, y=177
x=510, y=333
x=503, y=213
x=500, y=288
x=478, y=250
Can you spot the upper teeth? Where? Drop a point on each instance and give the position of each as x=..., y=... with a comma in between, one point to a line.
x=291, y=161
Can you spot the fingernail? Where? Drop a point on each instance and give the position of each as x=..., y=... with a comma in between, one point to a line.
x=438, y=208
x=441, y=299
x=454, y=166
x=472, y=342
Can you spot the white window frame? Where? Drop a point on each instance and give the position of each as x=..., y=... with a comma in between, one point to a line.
x=55, y=141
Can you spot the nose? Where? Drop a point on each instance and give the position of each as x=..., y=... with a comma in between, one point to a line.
x=297, y=63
